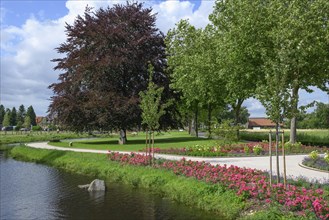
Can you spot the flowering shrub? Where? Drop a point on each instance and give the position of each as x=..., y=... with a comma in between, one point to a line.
x=249, y=183
x=314, y=155
x=197, y=150
x=296, y=147
x=257, y=149
x=326, y=157
x=246, y=149
x=132, y=158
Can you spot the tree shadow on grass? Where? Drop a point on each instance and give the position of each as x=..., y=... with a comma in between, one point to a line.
x=142, y=141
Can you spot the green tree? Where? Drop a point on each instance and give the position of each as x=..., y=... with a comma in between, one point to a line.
x=229, y=114
x=319, y=118
x=299, y=38
x=194, y=73
x=152, y=108
x=6, y=119
x=21, y=114
x=30, y=112
x=27, y=122
x=2, y=113
x=322, y=115
x=239, y=42
x=13, y=116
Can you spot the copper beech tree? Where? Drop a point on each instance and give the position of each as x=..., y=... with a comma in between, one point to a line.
x=104, y=67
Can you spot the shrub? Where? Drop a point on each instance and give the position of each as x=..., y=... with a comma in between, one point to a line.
x=246, y=149
x=314, y=155
x=296, y=147
x=36, y=128
x=326, y=157
x=257, y=149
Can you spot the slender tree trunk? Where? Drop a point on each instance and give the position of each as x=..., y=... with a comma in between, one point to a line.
x=123, y=137
x=237, y=110
x=146, y=142
x=293, y=122
x=153, y=147
x=277, y=152
x=192, y=124
x=196, y=121
x=209, y=120
x=189, y=126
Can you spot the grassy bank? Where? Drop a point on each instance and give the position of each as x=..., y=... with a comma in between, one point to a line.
x=210, y=197
x=191, y=192
x=306, y=137
x=33, y=136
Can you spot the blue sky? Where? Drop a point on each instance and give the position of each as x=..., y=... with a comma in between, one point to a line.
x=30, y=30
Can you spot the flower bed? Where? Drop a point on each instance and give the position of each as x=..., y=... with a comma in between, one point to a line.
x=314, y=160
x=248, y=183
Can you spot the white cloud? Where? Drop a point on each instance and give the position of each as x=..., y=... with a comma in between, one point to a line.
x=170, y=12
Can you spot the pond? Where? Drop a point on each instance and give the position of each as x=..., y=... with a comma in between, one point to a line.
x=35, y=191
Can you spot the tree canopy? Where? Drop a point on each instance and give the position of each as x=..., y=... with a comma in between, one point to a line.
x=107, y=53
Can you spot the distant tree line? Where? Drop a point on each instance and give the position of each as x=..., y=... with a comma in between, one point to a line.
x=319, y=118
x=21, y=118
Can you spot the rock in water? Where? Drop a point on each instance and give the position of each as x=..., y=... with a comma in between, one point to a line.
x=84, y=186
x=97, y=185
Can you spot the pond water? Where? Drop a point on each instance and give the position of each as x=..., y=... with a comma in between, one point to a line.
x=34, y=191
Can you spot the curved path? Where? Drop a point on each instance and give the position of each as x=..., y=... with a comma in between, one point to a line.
x=261, y=163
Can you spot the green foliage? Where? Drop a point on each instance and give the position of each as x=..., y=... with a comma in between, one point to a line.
x=246, y=150
x=6, y=120
x=238, y=37
x=326, y=157
x=13, y=116
x=150, y=104
x=36, y=128
x=20, y=115
x=314, y=155
x=2, y=113
x=319, y=118
x=312, y=138
x=227, y=132
x=27, y=122
x=257, y=149
x=293, y=148
x=31, y=114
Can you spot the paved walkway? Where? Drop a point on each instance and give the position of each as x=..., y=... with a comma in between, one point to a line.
x=261, y=163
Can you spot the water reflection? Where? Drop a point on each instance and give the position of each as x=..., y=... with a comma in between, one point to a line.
x=33, y=191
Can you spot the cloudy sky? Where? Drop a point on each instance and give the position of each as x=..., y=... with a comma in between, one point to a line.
x=30, y=30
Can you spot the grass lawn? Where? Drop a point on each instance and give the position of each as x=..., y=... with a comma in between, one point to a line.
x=165, y=140
x=10, y=137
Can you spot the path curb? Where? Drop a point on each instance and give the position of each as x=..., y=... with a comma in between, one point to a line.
x=312, y=168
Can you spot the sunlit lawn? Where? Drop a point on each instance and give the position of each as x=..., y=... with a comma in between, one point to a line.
x=164, y=140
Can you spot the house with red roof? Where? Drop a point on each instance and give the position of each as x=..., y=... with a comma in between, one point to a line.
x=259, y=123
